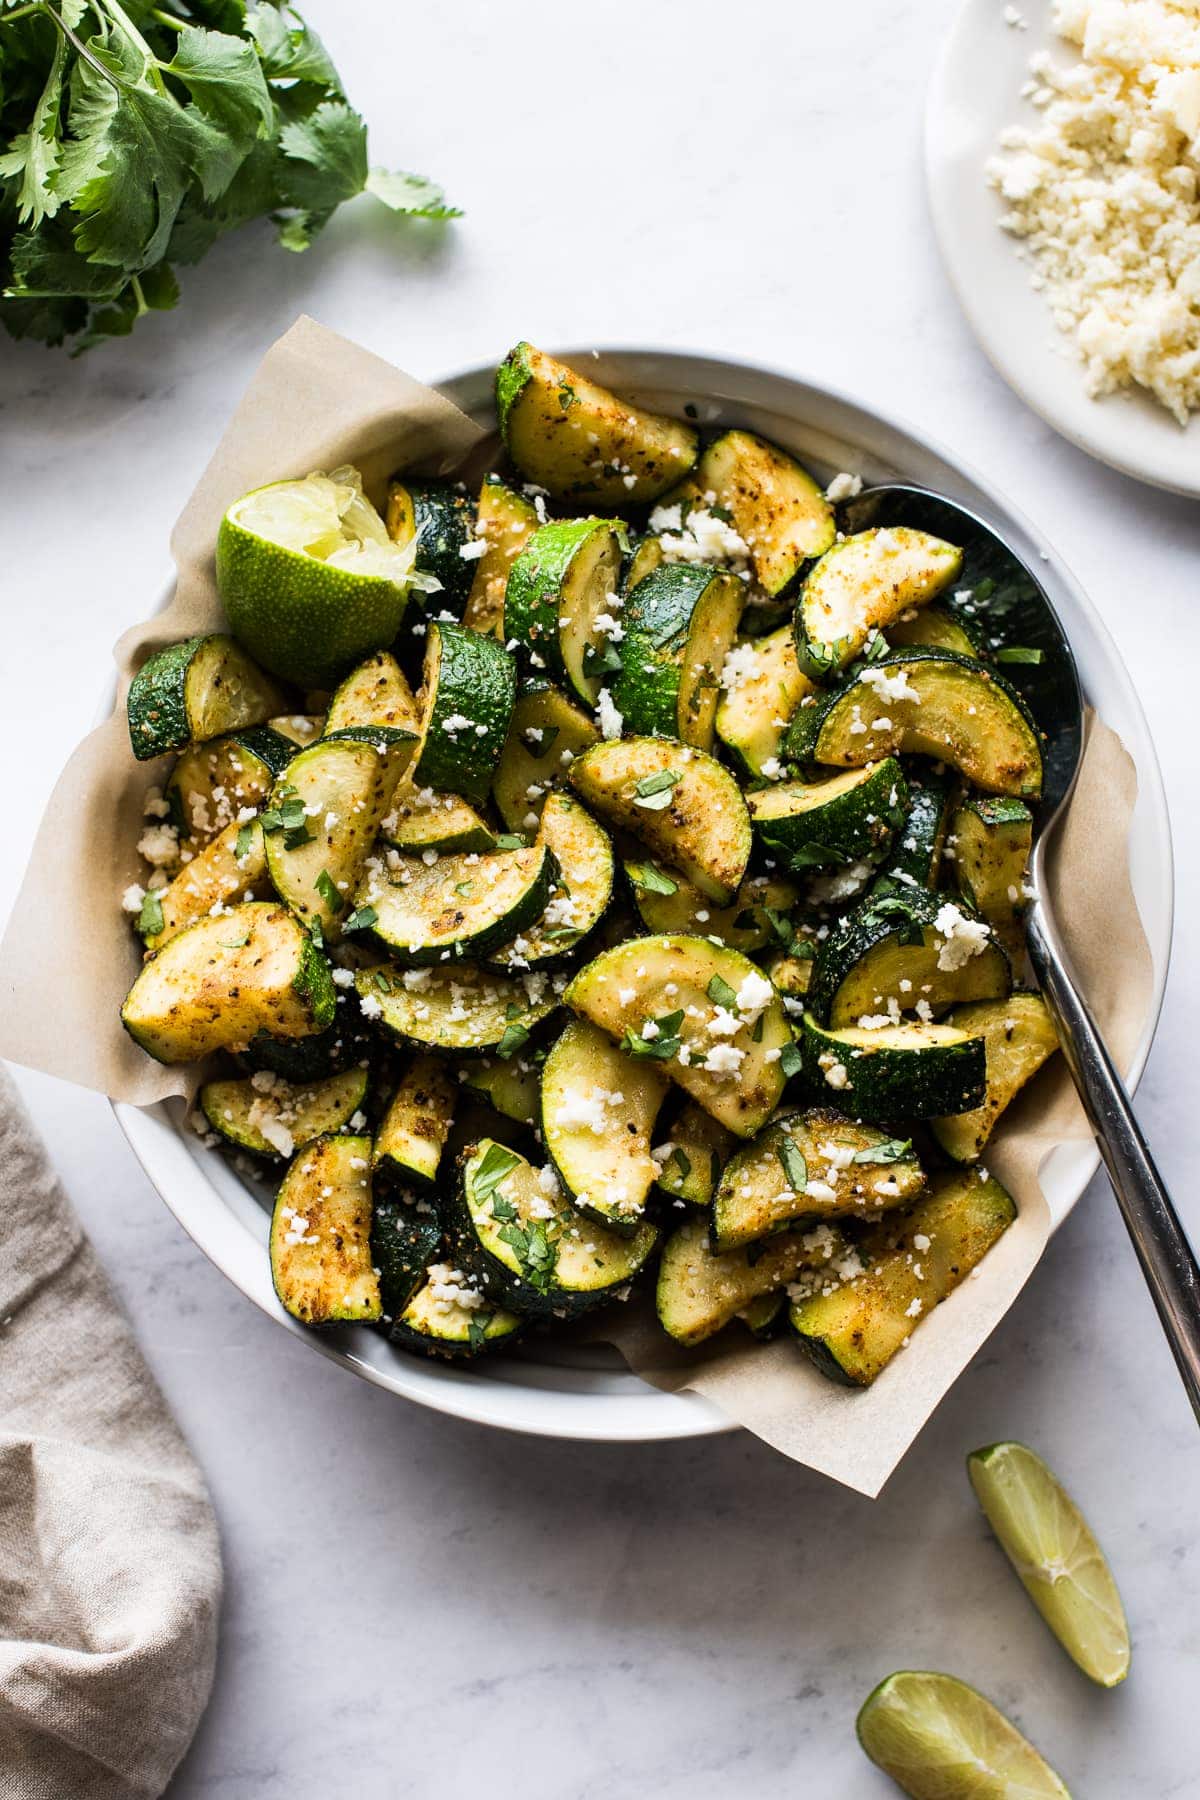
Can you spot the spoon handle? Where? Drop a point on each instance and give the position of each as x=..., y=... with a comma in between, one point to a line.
x=1163, y=1250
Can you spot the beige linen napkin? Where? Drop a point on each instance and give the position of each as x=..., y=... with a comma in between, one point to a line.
x=110, y=1565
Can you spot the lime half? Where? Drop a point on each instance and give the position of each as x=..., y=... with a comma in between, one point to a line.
x=309, y=577
x=940, y=1740
x=1050, y=1545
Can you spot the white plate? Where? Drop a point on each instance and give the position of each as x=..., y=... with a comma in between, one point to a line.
x=973, y=95
x=558, y=1392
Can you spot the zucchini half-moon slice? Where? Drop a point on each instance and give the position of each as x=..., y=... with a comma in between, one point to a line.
x=776, y=507
x=839, y=819
x=679, y=624
x=375, y=693
x=862, y=584
x=925, y=702
x=767, y=687
x=583, y=855
x=452, y=1009
x=905, y=1071
x=202, y=687
x=891, y=954
x=547, y=733
x=1019, y=1036
x=560, y=585
x=504, y=520
x=468, y=686
x=598, y=1111
x=679, y=801
x=321, y=1261
x=463, y=905
x=274, y=1117
x=700, y=1290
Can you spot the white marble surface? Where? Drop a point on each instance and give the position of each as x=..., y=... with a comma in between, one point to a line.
x=417, y=1606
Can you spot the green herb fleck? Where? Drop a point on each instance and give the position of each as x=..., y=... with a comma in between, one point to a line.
x=327, y=888
x=651, y=879
x=790, y=1061
x=663, y=1047
x=794, y=1166
x=245, y=840
x=514, y=1036
x=360, y=919
x=891, y=1151
x=654, y=791
x=1018, y=653
x=494, y=1165
x=150, y=917
x=720, y=993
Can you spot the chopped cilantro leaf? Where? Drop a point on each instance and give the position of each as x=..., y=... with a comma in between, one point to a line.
x=150, y=917
x=794, y=1166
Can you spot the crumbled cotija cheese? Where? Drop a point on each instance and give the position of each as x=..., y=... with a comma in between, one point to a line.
x=1103, y=191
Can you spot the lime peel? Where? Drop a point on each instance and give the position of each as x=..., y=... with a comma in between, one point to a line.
x=1055, y=1553
x=329, y=518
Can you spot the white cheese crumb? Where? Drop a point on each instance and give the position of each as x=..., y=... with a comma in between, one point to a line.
x=610, y=721
x=844, y=487
x=964, y=937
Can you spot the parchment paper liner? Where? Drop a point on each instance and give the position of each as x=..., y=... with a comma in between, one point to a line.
x=68, y=956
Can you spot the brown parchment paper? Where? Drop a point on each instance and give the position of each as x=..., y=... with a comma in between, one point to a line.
x=316, y=401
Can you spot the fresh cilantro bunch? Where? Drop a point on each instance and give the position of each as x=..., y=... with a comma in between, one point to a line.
x=132, y=136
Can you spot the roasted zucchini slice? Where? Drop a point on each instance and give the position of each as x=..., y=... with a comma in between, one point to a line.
x=204, y=687
x=927, y=703
x=1019, y=1036
x=272, y=1117
x=442, y=520
x=376, y=693
x=840, y=819
x=560, y=598
x=679, y=625
x=215, y=984
x=412, y=1136
x=861, y=585
x=577, y=439
x=421, y=819
x=992, y=841
x=667, y=904
x=763, y=686
x=459, y=905
x=321, y=1261
x=679, y=801
x=912, y=1261
x=468, y=686
x=775, y=506
x=214, y=782
x=896, y=1071
x=811, y=1165
x=547, y=733
x=703, y=1013
x=325, y=811
x=912, y=951
x=582, y=854
x=915, y=857
x=231, y=868
x=700, y=1290
x=690, y=1154
x=460, y=1010
x=938, y=626
x=646, y=554
x=449, y=1316
x=514, y=1228
x=301, y=729
x=510, y=1084
x=504, y=520
x=597, y=1116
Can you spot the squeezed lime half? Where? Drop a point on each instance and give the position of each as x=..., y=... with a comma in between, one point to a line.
x=939, y=1739
x=1052, y=1548
x=309, y=577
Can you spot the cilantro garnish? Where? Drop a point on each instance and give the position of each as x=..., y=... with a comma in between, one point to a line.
x=535, y=1251
x=360, y=919
x=289, y=817
x=316, y=931
x=876, y=648
x=654, y=791
x=514, y=1036
x=890, y=1151
x=327, y=888
x=245, y=840
x=150, y=917
x=601, y=659
x=682, y=1161
x=825, y=658
x=131, y=139
x=720, y=993
x=651, y=879
x=794, y=1166
x=510, y=840
x=236, y=943
x=813, y=856
x=494, y=1165
x=663, y=1047
x=790, y=1061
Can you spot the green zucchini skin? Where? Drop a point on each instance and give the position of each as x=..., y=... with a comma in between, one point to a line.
x=1019, y=1036
x=915, y=858
x=679, y=623
x=162, y=715
x=582, y=853
x=442, y=520
x=413, y=1131
x=424, y=1018
x=907, y=920
x=427, y=1329
x=855, y=817
x=993, y=838
x=469, y=677
x=339, y=1046
x=540, y=604
x=913, y=1261
x=882, y=1081
x=997, y=747
x=405, y=1238
x=701, y=1290
x=421, y=919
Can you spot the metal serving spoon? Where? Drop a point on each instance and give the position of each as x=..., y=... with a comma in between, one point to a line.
x=1022, y=614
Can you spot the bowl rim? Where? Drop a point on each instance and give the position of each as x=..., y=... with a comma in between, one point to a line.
x=621, y=1407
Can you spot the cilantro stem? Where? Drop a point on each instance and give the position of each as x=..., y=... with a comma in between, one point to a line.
x=168, y=19
x=79, y=47
x=121, y=17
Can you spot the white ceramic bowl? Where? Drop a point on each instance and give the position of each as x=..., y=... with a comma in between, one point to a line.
x=974, y=93
x=560, y=1392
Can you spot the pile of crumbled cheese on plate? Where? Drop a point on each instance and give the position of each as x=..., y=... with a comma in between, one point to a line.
x=1103, y=190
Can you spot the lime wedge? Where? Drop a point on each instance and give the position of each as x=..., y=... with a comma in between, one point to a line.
x=940, y=1740
x=309, y=577
x=1050, y=1545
